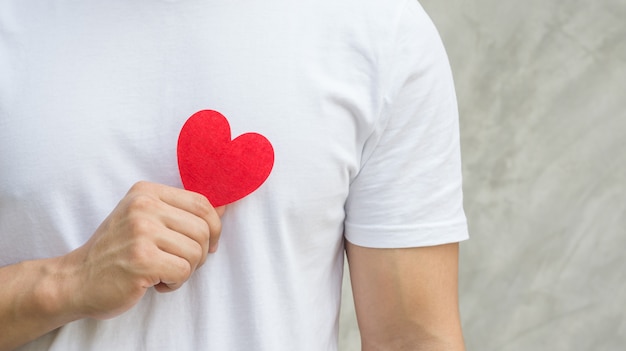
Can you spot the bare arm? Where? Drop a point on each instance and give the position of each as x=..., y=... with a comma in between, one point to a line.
x=30, y=301
x=406, y=299
x=157, y=237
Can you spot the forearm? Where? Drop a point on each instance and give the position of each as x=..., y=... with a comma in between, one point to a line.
x=32, y=301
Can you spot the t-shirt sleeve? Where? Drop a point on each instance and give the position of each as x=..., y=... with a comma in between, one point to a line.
x=408, y=191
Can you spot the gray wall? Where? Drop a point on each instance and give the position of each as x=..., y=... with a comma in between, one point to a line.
x=541, y=86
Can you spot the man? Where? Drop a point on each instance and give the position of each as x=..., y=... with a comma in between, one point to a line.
x=358, y=102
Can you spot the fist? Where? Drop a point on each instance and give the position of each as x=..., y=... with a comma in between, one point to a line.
x=157, y=236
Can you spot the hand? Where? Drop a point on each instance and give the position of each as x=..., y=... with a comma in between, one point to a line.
x=157, y=236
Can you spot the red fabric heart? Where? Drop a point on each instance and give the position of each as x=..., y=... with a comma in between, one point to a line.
x=217, y=167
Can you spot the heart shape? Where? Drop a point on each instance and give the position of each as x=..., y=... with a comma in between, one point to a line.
x=217, y=167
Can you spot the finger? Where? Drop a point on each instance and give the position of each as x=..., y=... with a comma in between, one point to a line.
x=187, y=224
x=185, y=200
x=197, y=204
x=216, y=233
x=205, y=230
x=188, y=201
x=173, y=272
x=162, y=271
x=175, y=243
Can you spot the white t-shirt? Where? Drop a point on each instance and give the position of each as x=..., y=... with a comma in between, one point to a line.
x=356, y=97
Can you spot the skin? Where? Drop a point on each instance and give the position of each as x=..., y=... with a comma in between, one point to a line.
x=406, y=299
x=157, y=236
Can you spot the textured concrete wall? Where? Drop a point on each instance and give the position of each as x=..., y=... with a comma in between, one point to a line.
x=542, y=93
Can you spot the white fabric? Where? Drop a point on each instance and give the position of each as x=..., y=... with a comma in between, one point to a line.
x=356, y=97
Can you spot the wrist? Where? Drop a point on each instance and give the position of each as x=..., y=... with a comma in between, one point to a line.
x=52, y=296
x=34, y=301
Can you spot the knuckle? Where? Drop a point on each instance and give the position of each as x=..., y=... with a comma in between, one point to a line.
x=202, y=237
x=140, y=226
x=141, y=186
x=213, y=228
x=141, y=203
x=203, y=231
x=217, y=228
x=140, y=255
x=201, y=205
x=195, y=256
x=216, y=233
x=184, y=270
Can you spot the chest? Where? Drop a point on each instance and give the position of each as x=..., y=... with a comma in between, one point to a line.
x=94, y=96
